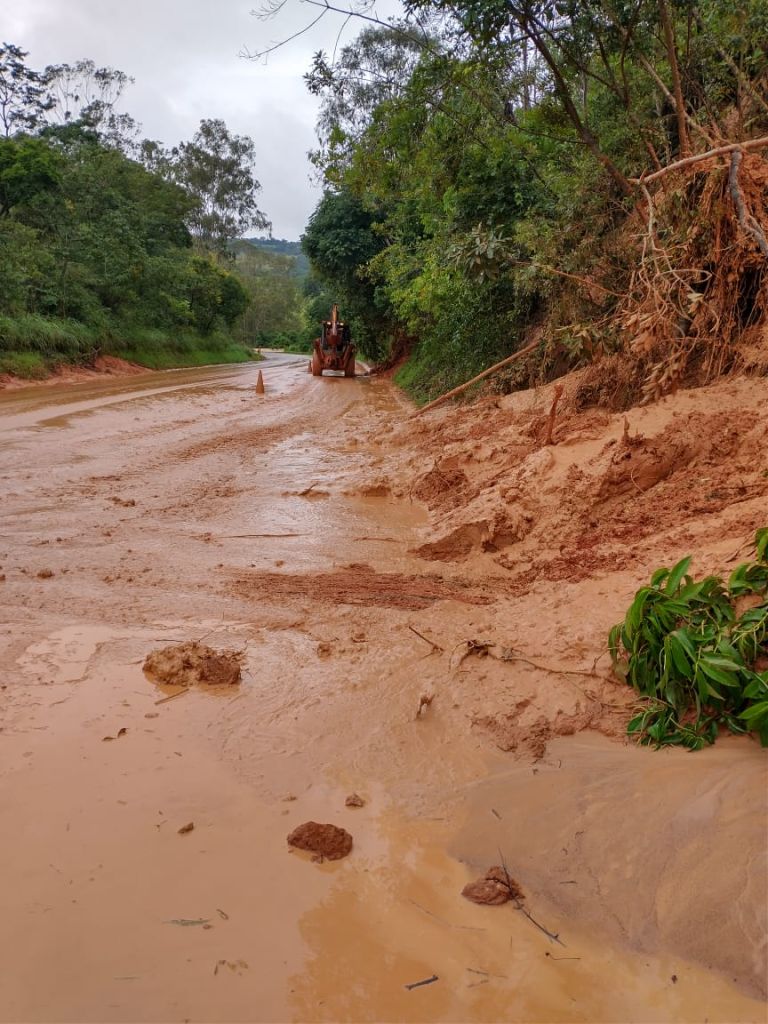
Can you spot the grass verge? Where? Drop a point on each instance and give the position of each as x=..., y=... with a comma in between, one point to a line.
x=32, y=346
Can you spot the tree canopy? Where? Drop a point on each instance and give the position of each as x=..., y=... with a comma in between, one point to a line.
x=502, y=155
x=105, y=243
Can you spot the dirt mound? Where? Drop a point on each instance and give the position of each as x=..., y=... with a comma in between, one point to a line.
x=494, y=888
x=585, y=504
x=514, y=730
x=326, y=842
x=445, y=485
x=191, y=664
x=361, y=585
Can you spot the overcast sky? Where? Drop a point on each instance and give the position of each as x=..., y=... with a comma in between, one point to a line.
x=184, y=57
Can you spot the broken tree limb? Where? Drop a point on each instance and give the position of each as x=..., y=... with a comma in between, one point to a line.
x=718, y=151
x=748, y=223
x=481, y=376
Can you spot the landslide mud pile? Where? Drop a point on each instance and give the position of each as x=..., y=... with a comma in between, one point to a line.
x=599, y=497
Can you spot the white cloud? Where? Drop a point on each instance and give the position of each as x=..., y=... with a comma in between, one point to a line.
x=183, y=55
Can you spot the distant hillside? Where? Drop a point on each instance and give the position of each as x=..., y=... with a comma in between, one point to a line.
x=282, y=247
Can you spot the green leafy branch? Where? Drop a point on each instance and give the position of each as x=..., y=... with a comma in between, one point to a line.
x=693, y=651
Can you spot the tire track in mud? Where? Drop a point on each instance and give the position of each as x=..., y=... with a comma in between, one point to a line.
x=361, y=585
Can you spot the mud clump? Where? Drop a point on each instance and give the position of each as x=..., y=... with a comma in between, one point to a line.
x=493, y=889
x=191, y=664
x=326, y=842
x=354, y=800
x=444, y=485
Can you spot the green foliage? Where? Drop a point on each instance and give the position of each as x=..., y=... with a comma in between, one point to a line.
x=95, y=250
x=156, y=349
x=691, y=649
x=216, y=170
x=478, y=159
x=24, y=99
x=274, y=314
x=28, y=167
x=341, y=240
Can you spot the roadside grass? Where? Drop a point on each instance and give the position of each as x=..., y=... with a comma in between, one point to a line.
x=32, y=346
x=28, y=365
x=159, y=351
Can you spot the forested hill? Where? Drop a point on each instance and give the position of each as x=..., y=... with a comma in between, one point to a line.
x=591, y=175
x=282, y=247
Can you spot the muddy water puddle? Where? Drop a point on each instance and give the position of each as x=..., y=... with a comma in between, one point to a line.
x=113, y=913
x=118, y=916
x=55, y=405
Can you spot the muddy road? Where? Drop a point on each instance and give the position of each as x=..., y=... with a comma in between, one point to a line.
x=152, y=510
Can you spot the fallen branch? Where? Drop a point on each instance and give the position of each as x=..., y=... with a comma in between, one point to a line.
x=554, y=936
x=432, y=644
x=426, y=981
x=261, y=536
x=747, y=221
x=164, y=700
x=719, y=151
x=481, y=376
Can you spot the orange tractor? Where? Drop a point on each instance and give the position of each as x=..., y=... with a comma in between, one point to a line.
x=333, y=350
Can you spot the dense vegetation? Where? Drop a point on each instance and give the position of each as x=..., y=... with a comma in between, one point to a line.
x=500, y=166
x=697, y=652
x=108, y=245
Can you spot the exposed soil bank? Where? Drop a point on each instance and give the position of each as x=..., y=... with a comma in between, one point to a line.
x=182, y=506
x=103, y=366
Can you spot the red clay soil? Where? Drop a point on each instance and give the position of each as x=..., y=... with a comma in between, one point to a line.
x=192, y=663
x=494, y=888
x=326, y=842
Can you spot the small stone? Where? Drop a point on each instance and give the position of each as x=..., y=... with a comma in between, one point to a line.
x=493, y=889
x=354, y=800
x=189, y=827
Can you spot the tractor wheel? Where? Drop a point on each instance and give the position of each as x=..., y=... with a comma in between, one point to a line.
x=317, y=366
x=349, y=368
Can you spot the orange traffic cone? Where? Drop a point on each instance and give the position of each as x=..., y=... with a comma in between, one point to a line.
x=260, y=384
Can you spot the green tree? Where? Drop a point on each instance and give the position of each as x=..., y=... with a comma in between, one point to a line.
x=24, y=94
x=27, y=167
x=217, y=169
x=340, y=241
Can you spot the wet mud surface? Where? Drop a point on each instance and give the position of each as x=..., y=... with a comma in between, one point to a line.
x=147, y=513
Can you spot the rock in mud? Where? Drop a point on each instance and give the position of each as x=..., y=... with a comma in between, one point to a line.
x=326, y=842
x=493, y=889
x=192, y=663
x=353, y=800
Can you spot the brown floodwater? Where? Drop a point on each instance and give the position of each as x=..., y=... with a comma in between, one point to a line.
x=177, y=506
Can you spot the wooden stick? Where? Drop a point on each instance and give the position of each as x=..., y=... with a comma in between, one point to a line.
x=552, y=413
x=164, y=700
x=432, y=644
x=720, y=151
x=481, y=376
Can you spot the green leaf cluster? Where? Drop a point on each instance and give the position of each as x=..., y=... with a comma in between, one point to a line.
x=694, y=649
